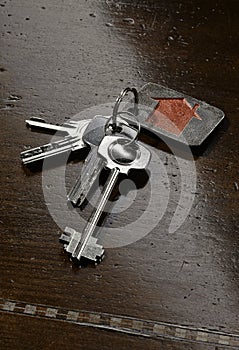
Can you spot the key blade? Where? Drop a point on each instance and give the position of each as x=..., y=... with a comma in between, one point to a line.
x=51, y=149
x=93, y=135
x=70, y=128
x=68, y=144
x=92, y=168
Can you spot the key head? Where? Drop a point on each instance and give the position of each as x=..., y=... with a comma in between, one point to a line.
x=95, y=131
x=119, y=152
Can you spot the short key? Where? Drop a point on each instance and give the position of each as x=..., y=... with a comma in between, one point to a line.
x=92, y=136
x=72, y=142
x=120, y=155
x=94, y=164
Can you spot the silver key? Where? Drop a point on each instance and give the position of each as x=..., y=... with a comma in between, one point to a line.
x=119, y=156
x=92, y=136
x=68, y=144
x=74, y=140
x=69, y=128
x=71, y=142
x=93, y=163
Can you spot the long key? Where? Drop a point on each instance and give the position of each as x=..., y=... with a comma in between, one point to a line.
x=119, y=156
x=94, y=164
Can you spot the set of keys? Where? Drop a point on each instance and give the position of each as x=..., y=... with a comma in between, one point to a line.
x=112, y=143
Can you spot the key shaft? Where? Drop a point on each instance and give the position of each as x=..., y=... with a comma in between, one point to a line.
x=96, y=214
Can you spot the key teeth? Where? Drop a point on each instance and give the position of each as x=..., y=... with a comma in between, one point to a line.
x=93, y=252
x=55, y=149
x=73, y=199
x=65, y=239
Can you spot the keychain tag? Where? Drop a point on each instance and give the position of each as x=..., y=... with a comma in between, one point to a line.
x=174, y=115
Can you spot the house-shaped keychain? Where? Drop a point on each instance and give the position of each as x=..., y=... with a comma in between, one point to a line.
x=174, y=115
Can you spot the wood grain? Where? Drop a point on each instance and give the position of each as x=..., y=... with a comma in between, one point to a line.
x=58, y=60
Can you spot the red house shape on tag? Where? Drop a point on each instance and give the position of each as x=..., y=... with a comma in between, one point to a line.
x=172, y=114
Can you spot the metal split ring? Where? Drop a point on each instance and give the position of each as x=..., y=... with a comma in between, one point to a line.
x=113, y=122
x=119, y=100
x=132, y=118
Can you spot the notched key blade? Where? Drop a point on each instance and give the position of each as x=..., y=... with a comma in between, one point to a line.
x=51, y=149
x=84, y=184
x=67, y=144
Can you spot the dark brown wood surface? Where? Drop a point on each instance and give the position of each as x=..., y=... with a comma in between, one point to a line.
x=60, y=57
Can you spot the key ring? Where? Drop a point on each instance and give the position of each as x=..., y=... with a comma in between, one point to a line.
x=119, y=127
x=118, y=102
x=129, y=114
x=112, y=122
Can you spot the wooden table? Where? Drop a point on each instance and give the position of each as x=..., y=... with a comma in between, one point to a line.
x=165, y=291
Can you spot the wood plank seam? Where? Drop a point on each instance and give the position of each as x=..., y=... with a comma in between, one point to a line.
x=125, y=324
